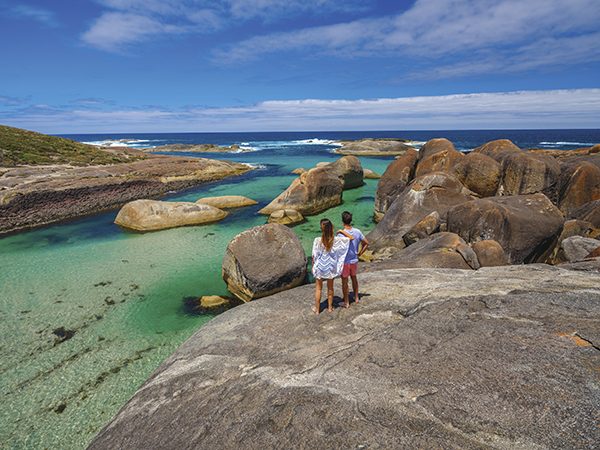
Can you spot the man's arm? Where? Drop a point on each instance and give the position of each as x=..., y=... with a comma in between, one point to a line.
x=365, y=244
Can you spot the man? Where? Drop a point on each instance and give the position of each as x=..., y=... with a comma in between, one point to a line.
x=351, y=261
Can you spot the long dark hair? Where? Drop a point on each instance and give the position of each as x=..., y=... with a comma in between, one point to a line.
x=327, y=236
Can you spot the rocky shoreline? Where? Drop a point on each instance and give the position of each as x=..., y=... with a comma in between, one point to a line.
x=503, y=357
x=37, y=195
x=212, y=148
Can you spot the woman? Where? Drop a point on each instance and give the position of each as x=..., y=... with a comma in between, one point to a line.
x=328, y=260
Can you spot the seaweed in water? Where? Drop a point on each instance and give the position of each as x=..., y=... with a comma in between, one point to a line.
x=62, y=335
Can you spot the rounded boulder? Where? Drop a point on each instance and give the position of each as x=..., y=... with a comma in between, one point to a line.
x=264, y=260
x=314, y=191
x=153, y=215
x=227, y=201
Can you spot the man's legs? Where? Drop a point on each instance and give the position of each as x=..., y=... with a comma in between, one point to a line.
x=354, y=287
x=345, y=290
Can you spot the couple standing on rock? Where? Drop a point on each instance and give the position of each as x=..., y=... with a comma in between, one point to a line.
x=335, y=256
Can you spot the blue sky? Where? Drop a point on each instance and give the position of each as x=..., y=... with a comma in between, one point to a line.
x=102, y=66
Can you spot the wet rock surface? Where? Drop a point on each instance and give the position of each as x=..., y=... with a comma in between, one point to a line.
x=502, y=357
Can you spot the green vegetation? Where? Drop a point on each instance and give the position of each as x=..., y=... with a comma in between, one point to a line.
x=21, y=147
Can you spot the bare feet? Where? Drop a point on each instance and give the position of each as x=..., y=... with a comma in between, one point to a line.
x=330, y=309
x=345, y=305
x=315, y=310
x=356, y=298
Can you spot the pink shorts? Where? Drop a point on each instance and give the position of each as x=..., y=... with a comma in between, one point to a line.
x=349, y=269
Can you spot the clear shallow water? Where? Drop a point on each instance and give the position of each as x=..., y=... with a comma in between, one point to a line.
x=88, y=311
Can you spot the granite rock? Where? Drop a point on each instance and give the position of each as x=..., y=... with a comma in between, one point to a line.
x=502, y=357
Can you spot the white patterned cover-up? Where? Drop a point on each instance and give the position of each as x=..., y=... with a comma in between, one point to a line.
x=329, y=264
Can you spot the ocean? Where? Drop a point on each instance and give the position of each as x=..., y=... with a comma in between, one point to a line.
x=89, y=310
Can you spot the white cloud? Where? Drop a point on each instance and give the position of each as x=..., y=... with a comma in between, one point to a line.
x=493, y=35
x=11, y=100
x=113, y=30
x=23, y=11
x=193, y=16
x=578, y=108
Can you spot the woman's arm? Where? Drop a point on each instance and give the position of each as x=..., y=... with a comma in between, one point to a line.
x=345, y=233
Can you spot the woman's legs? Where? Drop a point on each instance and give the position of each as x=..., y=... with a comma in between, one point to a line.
x=329, y=292
x=318, y=289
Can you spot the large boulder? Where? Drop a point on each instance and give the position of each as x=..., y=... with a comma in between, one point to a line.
x=349, y=171
x=433, y=146
x=436, y=191
x=498, y=150
x=313, y=192
x=438, y=162
x=498, y=358
x=440, y=250
x=529, y=173
x=579, y=184
x=263, y=260
x=153, y=215
x=227, y=201
x=478, y=173
x=524, y=225
x=394, y=180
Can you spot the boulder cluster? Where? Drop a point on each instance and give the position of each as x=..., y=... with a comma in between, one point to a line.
x=320, y=188
x=496, y=205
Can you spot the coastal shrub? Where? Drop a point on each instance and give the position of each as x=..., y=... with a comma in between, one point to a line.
x=22, y=147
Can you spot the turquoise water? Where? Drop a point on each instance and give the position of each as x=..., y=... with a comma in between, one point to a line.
x=88, y=310
x=118, y=296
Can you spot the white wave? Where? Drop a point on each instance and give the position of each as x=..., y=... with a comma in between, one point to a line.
x=261, y=145
x=246, y=148
x=255, y=166
x=586, y=144
x=133, y=143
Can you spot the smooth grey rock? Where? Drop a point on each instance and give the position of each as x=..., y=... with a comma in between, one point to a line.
x=499, y=358
x=576, y=248
x=264, y=260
